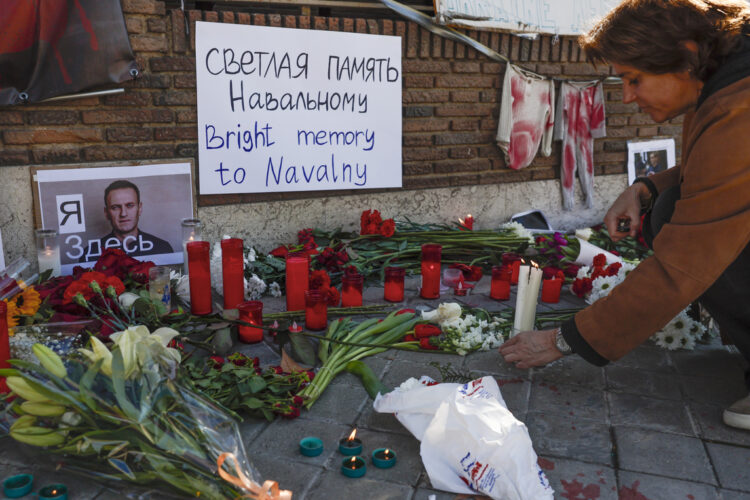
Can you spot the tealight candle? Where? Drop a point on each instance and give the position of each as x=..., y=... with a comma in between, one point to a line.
x=353, y=467
x=295, y=328
x=460, y=290
x=232, y=272
x=251, y=312
x=18, y=486
x=311, y=446
x=394, y=284
x=431, y=271
x=54, y=492
x=384, y=458
x=351, y=445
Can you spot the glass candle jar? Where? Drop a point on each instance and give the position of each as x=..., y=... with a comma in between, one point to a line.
x=48, y=251
x=251, y=312
x=191, y=231
x=200, y=277
x=500, y=284
x=297, y=280
x=431, y=271
x=551, y=290
x=232, y=272
x=316, y=310
x=351, y=290
x=394, y=284
x=158, y=286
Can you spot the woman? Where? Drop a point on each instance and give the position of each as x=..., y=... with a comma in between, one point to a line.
x=675, y=57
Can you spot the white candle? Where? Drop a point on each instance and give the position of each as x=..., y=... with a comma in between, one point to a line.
x=184, y=253
x=523, y=283
x=532, y=295
x=49, y=259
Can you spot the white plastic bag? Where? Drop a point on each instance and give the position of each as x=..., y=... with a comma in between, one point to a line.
x=471, y=442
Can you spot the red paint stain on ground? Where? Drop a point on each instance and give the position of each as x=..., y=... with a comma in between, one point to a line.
x=502, y=382
x=577, y=491
x=631, y=493
x=545, y=464
x=691, y=497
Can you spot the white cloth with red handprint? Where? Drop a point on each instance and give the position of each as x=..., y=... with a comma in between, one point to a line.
x=579, y=119
x=526, y=116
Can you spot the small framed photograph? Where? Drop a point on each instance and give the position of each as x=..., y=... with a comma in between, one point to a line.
x=649, y=157
x=136, y=207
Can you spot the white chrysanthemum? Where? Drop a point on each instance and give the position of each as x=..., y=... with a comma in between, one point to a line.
x=601, y=287
x=668, y=339
x=250, y=255
x=583, y=272
x=274, y=289
x=625, y=269
x=254, y=287
x=520, y=231
x=585, y=233
x=681, y=323
x=688, y=342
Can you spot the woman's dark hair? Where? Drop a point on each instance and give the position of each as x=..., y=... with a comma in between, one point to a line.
x=649, y=35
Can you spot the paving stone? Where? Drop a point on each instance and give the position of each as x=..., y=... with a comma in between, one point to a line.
x=572, y=400
x=374, y=420
x=573, y=479
x=646, y=357
x=251, y=427
x=427, y=493
x=651, y=413
x=633, y=380
x=281, y=440
x=490, y=362
x=401, y=370
x=340, y=403
x=734, y=495
x=426, y=357
x=408, y=467
x=709, y=361
x=712, y=427
x=292, y=476
x=332, y=483
x=713, y=391
x=632, y=484
x=570, y=370
x=732, y=464
x=515, y=393
x=569, y=437
x=671, y=455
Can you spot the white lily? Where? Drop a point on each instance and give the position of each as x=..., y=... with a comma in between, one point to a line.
x=584, y=233
x=444, y=312
x=127, y=299
x=99, y=351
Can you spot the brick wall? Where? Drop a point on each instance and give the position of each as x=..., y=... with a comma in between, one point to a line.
x=450, y=104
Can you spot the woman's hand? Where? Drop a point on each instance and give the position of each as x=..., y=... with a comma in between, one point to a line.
x=627, y=206
x=533, y=348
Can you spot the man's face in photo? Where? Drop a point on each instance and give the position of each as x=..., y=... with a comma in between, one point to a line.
x=653, y=159
x=123, y=210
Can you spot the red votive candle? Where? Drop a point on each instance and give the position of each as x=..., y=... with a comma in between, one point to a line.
x=233, y=272
x=4, y=344
x=316, y=310
x=297, y=280
x=251, y=312
x=199, y=264
x=500, y=284
x=351, y=290
x=515, y=269
x=551, y=290
x=394, y=284
x=431, y=271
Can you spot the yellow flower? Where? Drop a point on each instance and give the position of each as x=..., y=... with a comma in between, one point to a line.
x=12, y=314
x=28, y=302
x=99, y=351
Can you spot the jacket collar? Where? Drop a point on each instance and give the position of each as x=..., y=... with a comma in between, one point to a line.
x=734, y=68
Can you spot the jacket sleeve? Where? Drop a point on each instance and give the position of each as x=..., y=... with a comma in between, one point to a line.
x=709, y=228
x=667, y=178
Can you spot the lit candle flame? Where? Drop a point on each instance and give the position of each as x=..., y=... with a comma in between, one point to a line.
x=534, y=264
x=275, y=324
x=53, y=492
x=353, y=462
x=352, y=436
x=460, y=221
x=523, y=261
x=460, y=285
x=385, y=453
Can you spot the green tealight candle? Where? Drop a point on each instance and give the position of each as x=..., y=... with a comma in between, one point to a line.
x=353, y=467
x=54, y=492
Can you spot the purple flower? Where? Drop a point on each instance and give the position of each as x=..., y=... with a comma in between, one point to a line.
x=560, y=240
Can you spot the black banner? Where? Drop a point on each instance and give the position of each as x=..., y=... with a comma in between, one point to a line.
x=50, y=48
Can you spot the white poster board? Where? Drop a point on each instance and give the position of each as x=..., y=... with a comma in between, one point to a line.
x=283, y=109
x=2, y=254
x=650, y=157
x=561, y=17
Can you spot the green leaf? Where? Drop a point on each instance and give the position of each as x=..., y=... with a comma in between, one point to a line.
x=118, y=385
x=9, y=372
x=252, y=403
x=302, y=349
x=256, y=384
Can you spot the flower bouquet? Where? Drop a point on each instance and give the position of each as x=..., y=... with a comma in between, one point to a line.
x=124, y=415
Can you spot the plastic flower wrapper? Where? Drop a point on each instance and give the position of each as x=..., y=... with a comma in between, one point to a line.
x=122, y=414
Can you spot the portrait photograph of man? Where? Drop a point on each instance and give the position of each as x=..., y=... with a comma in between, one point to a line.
x=647, y=158
x=136, y=209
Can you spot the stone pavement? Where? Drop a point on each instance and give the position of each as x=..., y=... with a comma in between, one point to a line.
x=646, y=427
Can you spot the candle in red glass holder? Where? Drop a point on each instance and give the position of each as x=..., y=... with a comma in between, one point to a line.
x=232, y=272
x=500, y=284
x=251, y=312
x=351, y=290
x=551, y=290
x=4, y=344
x=394, y=284
x=297, y=280
x=316, y=310
x=431, y=271
x=515, y=268
x=200, y=277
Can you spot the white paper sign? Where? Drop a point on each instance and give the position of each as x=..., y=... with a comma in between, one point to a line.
x=283, y=109
x=2, y=254
x=562, y=17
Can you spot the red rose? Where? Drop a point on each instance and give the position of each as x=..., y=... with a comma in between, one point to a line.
x=387, y=228
x=110, y=261
x=409, y=338
x=53, y=289
x=281, y=251
x=333, y=296
x=319, y=280
x=297, y=400
x=600, y=260
x=550, y=272
x=404, y=311
x=582, y=286
x=218, y=361
x=571, y=270
x=371, y=228
x=425, y=344
x=423, y=331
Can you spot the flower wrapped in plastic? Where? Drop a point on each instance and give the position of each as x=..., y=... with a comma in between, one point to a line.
x=122, y=414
